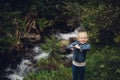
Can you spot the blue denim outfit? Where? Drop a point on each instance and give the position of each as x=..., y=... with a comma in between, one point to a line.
x=78, y=72
x=79, y=56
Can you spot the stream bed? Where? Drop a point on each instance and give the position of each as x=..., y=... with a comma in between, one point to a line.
x=25, y=64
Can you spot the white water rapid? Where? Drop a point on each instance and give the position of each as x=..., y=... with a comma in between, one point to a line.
x=66, y=36
x=26, y=65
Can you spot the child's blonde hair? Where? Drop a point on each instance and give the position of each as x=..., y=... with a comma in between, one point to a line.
x=82, y=33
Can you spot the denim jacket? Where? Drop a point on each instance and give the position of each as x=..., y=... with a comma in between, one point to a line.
x=79, y=54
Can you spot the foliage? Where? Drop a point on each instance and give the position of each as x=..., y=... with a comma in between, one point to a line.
x=43, y=23
x=96, y=17
x=53, y=75
x=7, y=30
x=50, y=69
x=51, y=44
x=102, y=64
x=5, y=43
x=99, y=18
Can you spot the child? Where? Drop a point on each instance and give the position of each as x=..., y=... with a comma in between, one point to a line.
x=80, y=47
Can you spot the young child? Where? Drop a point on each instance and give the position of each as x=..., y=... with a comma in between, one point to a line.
x=80, y=47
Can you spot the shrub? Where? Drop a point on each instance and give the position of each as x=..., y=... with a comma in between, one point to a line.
x=103, y=64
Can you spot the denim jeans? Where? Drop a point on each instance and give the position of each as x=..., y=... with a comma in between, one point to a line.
x=78, y=72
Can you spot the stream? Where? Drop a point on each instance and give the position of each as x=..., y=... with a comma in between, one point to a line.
x=26, y=63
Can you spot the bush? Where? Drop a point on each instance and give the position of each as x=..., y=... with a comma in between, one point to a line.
x=50, y=70
x=103, y=64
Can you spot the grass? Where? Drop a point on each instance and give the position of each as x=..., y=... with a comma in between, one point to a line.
x=102, y=64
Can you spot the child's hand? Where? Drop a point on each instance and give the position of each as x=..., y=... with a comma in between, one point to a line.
x=77, y=46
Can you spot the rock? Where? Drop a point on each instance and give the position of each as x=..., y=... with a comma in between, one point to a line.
x=63, y=45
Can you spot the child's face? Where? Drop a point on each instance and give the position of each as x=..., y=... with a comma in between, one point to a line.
x=82, y=37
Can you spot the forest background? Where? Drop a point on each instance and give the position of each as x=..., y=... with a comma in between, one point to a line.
x=101, y=18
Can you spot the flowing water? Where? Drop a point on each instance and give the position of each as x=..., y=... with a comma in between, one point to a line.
x=66, y=36
x=26, y=65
